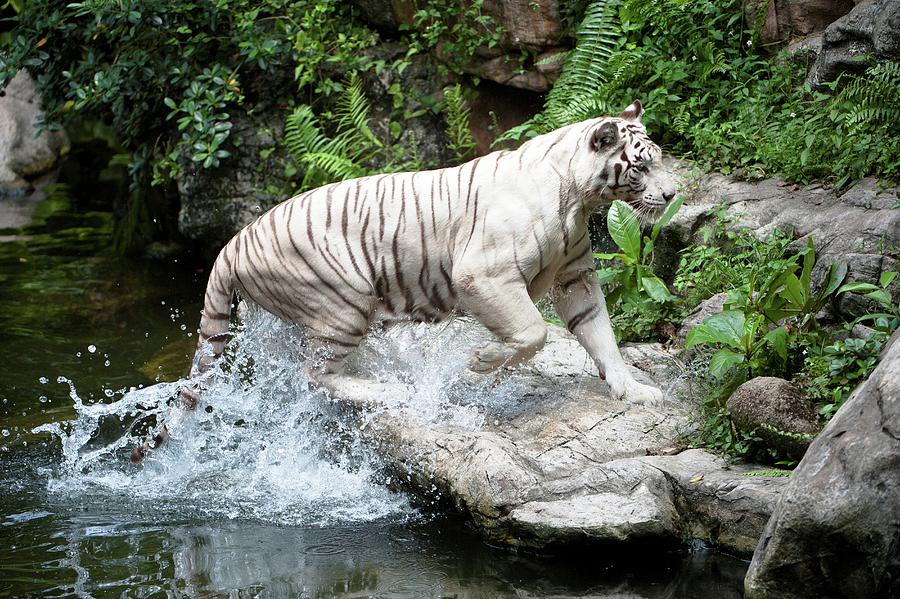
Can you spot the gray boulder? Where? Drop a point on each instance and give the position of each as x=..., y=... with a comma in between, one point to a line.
x=24, y=152
x=836, y=529
x=869, y=34
x=777, y=411
x=557, y=462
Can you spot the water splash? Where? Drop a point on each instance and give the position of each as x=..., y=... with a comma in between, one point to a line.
x=262, y=445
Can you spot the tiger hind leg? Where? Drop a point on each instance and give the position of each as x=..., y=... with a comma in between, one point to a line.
x=327, y=370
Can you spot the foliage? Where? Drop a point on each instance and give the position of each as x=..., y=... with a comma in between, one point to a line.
x=132, y=62
x=455, y=30
x=833, y=372
x=765, y=315
x=725, y=259
x=458, y=128
x=638, y=298
x=575, y=97
x=344, y=156
x=710, y=97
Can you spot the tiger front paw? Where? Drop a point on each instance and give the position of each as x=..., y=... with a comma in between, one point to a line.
x=623, y=386
x=490, y=357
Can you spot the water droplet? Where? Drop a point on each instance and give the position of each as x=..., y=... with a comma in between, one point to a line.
x=5, y=432
x=42, y=399
x=108, y=392
x=62, y=379
x=92, y=348
x=163, y=302
x=184, y=327
x=43, y=380
x=78, y=354
x=106, y=363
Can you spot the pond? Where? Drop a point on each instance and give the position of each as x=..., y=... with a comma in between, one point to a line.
x=259, y=502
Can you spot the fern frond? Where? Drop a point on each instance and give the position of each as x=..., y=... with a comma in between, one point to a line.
x=302, y=134
x=335, y=166
x=873, y=98
x=352, y=110
x=586, y=69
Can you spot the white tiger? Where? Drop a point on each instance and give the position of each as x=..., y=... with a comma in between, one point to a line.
x=489, y=236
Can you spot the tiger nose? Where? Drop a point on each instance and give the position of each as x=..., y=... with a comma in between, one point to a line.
x=668, y=195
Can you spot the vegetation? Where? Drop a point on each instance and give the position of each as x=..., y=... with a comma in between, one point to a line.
x=712, y=98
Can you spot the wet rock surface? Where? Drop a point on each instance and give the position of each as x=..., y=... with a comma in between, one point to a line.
x=569, y=465
x=836, y=529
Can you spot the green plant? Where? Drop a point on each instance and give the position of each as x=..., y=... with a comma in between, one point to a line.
x=636, y=297
x=710, y=97
x=574, y=97
x=458, y=128
x=169, y=77
x=344, y=156
x=454, y=30
x=764, y=316
x=833, y=372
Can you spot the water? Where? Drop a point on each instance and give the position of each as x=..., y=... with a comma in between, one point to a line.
x=267, y=492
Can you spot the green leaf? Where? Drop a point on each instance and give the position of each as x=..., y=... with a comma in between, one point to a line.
x=726, y=328
x=670, y=211
x=857, y=287
x=809, y=259
x=656, y=289
x=793, y=291
x=881, y=296
x=621, y=257
x=723, y=361
x=836, y=275
x=623, y=228
x=886, y=277
x=778, y=339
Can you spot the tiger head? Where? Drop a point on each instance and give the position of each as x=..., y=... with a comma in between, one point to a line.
x=624, y=164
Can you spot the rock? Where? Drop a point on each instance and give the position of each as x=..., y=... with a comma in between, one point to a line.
x=218, y=202
x=704, y=310
x=558, y=463
x=527, y=24
x=869, y=34
x=856, y=225
x=777, y=411
x=836, y=529
x=782, y=20
x=22, y=152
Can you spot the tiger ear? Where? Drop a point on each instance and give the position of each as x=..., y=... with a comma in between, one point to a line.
x=633, y=112
x=604, y=136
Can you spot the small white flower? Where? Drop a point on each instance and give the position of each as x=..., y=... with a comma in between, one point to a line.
x=694, y=58
x=749, y=43
x=674, y=59
x=793, y=114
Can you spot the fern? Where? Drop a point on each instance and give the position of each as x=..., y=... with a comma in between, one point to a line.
x=873, y=99
x=458, y=130
x=344, y=156
x=586, y=70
